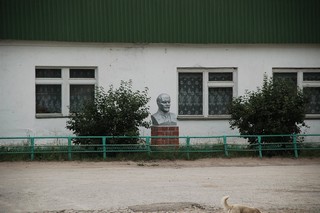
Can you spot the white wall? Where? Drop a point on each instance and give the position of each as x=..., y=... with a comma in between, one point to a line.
x=152, y=66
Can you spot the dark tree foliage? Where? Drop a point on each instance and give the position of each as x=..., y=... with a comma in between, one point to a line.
x=117, y=112
x=276, y=108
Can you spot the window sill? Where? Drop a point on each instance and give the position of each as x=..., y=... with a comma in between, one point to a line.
x=200, y=117
x=50, y=115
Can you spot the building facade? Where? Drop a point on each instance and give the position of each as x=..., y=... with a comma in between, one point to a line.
x=202, y=53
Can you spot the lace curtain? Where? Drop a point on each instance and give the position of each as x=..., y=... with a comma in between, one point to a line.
x=79, y=95
x=313, y=93
x=219, y=100
x=190, y=94
x=48, y=98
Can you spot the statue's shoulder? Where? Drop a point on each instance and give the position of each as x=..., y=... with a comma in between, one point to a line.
x=173, y=116
x=157, y=114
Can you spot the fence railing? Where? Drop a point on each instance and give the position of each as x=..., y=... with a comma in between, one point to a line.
x=225, y=144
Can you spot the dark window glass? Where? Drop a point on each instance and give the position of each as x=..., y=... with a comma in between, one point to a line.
x=190, y=94
x=219, y=100
x=313, y=94
x=48, y=98
x=291, y=76
x=311, y=76
x=79, y=95
x=221, y=76
x=82, y=73
x=48, y=73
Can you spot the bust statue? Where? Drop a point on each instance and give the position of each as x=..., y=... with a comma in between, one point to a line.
x=163, y=116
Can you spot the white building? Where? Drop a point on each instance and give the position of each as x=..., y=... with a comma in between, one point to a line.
x=221, y=63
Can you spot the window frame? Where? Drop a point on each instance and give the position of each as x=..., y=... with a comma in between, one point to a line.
x=205, y=90
x=65, y=81
x=300, y=82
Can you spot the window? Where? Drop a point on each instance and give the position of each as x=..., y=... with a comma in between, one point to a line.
x=309, y=80
x=205, y=92
x=60, y=91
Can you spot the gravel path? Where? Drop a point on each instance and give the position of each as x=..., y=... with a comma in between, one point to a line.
x=273, y=185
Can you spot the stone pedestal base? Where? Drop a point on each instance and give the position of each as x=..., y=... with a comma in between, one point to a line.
x=165, y=131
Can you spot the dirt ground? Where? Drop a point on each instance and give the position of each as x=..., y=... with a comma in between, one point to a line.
x=272, y=185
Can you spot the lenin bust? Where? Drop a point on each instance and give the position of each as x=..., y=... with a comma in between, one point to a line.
x=163, y=116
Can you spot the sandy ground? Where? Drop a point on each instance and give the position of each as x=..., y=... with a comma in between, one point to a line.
x=273, y=185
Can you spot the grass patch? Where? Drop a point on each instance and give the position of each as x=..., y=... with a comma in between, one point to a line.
x=142, y=153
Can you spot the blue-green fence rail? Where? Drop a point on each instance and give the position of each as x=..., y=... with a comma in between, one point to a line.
x=225, y=144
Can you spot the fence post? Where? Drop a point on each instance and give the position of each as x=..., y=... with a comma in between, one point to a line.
x=260, y=147
x=225, y=146
x=69, y=149
x=188, y=147
x=32, y=147
x=104, y=147
x=295, y=146
x=148, y=145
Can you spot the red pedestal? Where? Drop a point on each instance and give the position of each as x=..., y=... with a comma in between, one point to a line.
x=165, y=131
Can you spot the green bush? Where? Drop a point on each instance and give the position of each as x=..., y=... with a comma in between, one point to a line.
x=276, y=108
x=117, y=112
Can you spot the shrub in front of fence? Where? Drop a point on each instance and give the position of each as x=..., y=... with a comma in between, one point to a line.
x=278, y=107
x=119, y=111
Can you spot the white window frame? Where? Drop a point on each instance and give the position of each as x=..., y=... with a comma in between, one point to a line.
x=300, y=82
x=65, y=81
x=206, y=85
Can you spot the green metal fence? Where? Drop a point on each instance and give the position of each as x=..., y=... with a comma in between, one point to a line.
x=224, y=145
